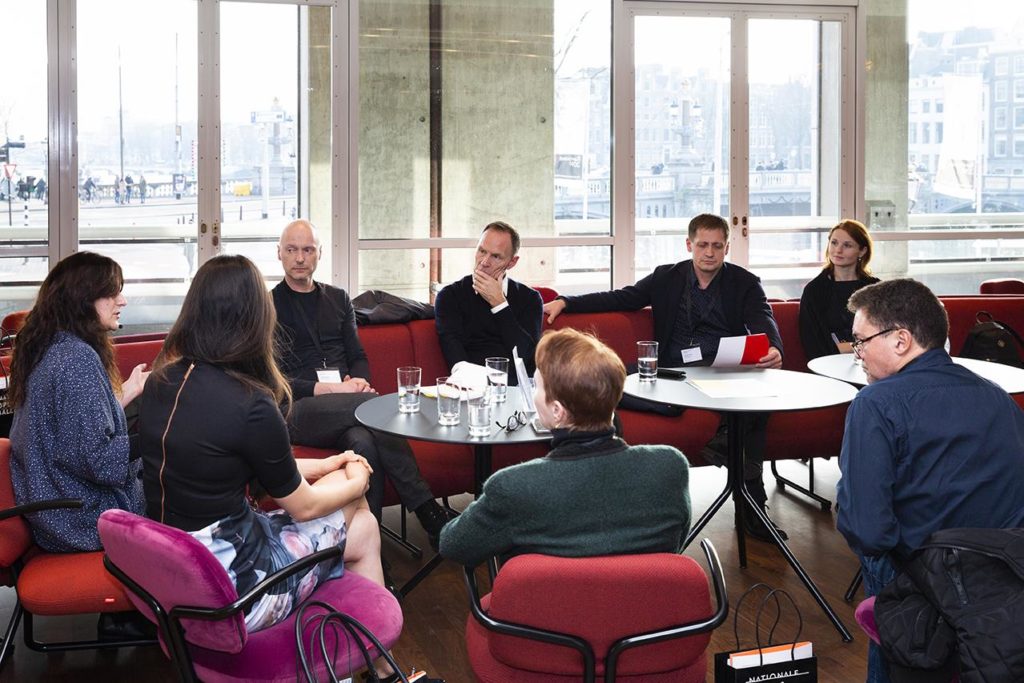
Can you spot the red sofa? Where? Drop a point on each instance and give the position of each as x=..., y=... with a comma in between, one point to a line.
x=813, y=433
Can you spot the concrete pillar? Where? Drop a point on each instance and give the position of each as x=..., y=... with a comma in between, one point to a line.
x=885, y=160
x=317, y=122
x=496, y=133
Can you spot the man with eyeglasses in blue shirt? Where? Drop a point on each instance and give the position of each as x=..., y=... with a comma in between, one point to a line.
x=928, y=444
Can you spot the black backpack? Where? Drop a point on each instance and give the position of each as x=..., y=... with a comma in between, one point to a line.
x=993, y=341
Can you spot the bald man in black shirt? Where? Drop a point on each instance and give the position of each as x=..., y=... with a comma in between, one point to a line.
x=329, y=374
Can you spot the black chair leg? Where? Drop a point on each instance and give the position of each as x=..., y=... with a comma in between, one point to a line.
x=72, y=646
x=12, y=628
x=402, y=537
x=782, y=483
x=858, y=578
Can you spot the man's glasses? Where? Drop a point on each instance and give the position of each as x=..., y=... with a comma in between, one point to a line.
x=514, y=422
x=858, y=344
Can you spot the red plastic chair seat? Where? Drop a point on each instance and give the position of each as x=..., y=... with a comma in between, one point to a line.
x=54, y=584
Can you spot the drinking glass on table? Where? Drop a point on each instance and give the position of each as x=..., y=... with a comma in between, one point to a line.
x=647, y=360
x=497, y=377
x=448, y=396
x=479, y=409
x=409, y=389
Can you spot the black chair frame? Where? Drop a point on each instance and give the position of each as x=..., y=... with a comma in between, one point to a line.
x=21, y=616
x=170, y=625
x=621, y=645
x=782, y=482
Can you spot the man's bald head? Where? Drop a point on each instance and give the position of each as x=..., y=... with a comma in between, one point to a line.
x=299, y=251
x=299, y=228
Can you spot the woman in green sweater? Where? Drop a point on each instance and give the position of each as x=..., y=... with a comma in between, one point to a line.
x=592, y=494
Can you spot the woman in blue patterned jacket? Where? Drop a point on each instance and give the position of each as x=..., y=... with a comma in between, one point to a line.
x=69, y=438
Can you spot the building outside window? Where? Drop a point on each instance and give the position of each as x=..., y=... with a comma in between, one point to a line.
x=488, y=111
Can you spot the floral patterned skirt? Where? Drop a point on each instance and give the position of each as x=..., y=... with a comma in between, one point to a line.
x=253, y=544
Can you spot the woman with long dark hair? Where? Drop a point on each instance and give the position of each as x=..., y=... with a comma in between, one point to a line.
x=824, y=318
x=69, y=438
x=210, y=425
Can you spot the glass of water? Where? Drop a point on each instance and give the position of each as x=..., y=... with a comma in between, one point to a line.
x=647, y=360
x=409, y=389
x=497, y=377
x=479, y=410
x=448, y=396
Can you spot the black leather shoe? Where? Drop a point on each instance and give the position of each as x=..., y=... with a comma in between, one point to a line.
x=432, y=518
x=755, y=528
x=114, y=626
x=715, y=451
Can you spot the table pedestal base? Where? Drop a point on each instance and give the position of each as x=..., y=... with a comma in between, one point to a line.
x=744, y=503
x=482, y=456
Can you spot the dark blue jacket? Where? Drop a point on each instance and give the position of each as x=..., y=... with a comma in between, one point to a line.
x=932, y=447
x=743, y=302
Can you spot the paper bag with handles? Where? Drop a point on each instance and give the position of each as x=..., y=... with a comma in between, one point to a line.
x=790, y=661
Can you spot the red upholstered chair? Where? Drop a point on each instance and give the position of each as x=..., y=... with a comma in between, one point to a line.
x=50, y=584
x=11, y=325
x=177, y=583
x=559, y=619
x=1002, y=286
x=546, y=293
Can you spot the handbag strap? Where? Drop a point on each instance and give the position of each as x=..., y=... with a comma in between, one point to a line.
x=356, y=631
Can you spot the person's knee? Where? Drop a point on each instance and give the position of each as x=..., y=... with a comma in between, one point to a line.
x=363, y=534
x=361, y=441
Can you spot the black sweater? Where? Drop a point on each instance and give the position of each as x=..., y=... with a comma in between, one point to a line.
x=469, y=331
x=203, y=445
x=823, y=312
x=335, y=330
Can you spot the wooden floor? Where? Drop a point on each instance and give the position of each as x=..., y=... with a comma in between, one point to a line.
x=435, y=612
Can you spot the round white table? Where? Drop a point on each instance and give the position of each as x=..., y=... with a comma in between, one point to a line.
x=841, y=366
x=736, y=391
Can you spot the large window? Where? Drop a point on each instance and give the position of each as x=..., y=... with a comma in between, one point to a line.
x=968, y=202
x=229, y=118
x=137, y=176
x=756, y=131
x=24, y=178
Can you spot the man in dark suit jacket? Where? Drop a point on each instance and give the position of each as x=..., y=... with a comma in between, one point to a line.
x=694, y=304
x=487, y=313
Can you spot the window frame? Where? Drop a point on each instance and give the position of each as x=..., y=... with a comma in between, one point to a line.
x=62, y=233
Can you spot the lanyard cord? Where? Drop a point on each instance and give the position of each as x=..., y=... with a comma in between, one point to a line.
x=163, y=440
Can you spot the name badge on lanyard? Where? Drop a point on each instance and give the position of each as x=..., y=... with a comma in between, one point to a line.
x=328, y=375
x=692, y=355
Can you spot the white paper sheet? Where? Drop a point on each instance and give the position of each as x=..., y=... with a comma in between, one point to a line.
x=742, y=350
